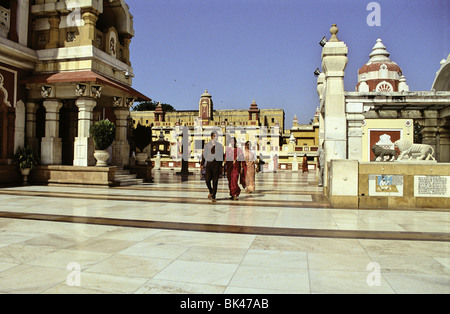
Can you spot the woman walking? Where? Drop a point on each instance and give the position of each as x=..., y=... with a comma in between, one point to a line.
x=249, y=169
x=305, y=164
x=234, y=156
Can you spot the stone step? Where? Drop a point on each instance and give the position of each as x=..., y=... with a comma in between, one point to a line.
x=131, y=182
x=121, y=177
x=122, y=171
x=125, y=178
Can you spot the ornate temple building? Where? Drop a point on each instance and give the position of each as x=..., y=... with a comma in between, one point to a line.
x=62, y=66
x=381, y=115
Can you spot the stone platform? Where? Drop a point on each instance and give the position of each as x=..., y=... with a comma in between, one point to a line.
x=167, y=237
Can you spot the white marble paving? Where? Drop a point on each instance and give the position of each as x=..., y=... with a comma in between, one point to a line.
x=34, y=255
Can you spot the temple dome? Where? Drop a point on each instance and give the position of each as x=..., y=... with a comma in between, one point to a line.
x=380, y=74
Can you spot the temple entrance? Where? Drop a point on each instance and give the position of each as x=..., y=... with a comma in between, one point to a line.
x=68, y=128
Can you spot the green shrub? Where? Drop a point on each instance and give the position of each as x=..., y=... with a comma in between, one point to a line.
x=26, y=158
x=103, y=132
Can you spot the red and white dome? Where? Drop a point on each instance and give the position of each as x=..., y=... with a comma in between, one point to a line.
x=380, y=74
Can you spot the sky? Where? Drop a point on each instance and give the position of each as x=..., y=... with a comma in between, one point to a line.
x=267, y=50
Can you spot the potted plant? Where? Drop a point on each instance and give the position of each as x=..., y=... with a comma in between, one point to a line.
x=103, y=133
x=27, y=160
x=142, y=136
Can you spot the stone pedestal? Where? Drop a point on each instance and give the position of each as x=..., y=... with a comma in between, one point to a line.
x=158, y=161
x=343, y=183
x=51, y=144
x=295, y=163
x=270, y=167
x=51, y=151
x=84, y=144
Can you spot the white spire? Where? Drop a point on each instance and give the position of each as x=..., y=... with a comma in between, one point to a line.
x=379, y=52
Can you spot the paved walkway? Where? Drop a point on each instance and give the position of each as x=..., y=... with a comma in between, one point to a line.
x=167, y=237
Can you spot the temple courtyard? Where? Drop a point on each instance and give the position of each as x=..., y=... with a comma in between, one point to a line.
x=167, y=237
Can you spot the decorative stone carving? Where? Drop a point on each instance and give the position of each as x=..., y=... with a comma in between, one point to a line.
x=384, y=87
x=96, y=91
x=381, y=152
x=130, y=102
x=5, y=92
x=46, y=91
x=80, y=90
x=409, y=149
x=117, y=101
x=4, y=21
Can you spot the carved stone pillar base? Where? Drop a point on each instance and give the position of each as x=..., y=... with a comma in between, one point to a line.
x=51, y=151
x=84, y=152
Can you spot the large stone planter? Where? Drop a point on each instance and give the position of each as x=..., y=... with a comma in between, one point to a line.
x=141, y=159
x=102, y=157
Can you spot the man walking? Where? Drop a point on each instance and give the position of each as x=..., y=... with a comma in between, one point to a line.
x=213, y=155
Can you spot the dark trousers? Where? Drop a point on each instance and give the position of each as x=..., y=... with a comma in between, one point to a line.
x=213, y=170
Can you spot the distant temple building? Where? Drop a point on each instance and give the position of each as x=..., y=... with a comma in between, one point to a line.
x=207, y=116
x=264, y=128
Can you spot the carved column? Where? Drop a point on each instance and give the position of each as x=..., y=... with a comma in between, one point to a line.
x=126, y=50
x=88, y=30
x=121, y=147
x=84, y=144
x=30, y=125
x=444, y=141
x=51, y=145
x=320, y=90
x=19, y=127
x=430, y=128
x=53, y=41
x=334, y=62
x=354, y=124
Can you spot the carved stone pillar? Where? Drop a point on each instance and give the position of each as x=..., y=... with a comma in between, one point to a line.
x=430, y=128
x=334, y=62
x=354, y=133
x=53, y=41
x=51, y=145
x=30, y=125
x=126, y=50
x=84, y=144
x=444, y=141
x=19, y=127
x=88, y=30
x=121, y=147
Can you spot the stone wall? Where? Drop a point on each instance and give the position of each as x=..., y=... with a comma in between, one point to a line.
x=389, y=185
x=101, y=176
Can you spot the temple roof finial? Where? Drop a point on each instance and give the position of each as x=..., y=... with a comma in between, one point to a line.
x=334, y=30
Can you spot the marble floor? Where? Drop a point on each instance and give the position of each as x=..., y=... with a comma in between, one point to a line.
x=166, y=237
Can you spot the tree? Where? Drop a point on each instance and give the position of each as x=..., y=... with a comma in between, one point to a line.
x=151, y=106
